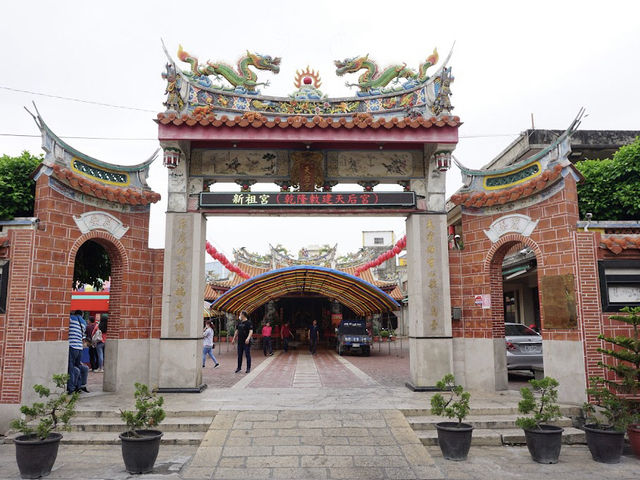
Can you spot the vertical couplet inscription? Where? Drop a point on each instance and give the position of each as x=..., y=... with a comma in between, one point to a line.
x=180, y=275
x=433, y=287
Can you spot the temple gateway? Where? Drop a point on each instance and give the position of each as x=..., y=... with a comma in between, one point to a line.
x=465, y=258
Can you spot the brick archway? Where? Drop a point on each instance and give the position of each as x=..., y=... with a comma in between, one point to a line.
x=493, y=268
x=119, y=268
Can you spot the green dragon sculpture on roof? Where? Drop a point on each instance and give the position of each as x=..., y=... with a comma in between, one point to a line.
x=243, y=79
x=372, y=81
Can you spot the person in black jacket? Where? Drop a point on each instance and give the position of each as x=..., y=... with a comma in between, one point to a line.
x=243, y=335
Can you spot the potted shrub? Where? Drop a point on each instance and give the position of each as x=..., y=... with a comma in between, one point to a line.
x=543, y=441
x=223, y=335
x=140, y=443
x=624, y=366
x=384, y=335
x=37, y=447
x=605, y=440
x=454, y=438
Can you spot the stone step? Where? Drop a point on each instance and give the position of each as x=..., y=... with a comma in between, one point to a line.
x=566, y=410
x=112, y=424
x=111, y=438
x=496, y=437
x=491, y=422
x=92, y=413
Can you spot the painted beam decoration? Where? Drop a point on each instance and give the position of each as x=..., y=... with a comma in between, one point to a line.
x=248, y=200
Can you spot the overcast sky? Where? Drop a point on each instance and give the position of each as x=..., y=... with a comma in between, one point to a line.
x=511, y=60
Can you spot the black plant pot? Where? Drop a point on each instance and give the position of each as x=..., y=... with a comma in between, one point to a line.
x=140, y=453
x=454, y=439
x=36, y=457
x=605, y=444
x=544, y=443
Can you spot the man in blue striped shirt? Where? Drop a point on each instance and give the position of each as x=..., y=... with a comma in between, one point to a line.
x=78, y=372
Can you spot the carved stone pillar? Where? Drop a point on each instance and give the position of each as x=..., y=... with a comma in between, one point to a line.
x=183, y=295
x=430, y=332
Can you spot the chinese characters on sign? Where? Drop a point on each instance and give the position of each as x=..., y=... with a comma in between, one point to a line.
x=432, y=278
x=180, y=292
x=306, y=200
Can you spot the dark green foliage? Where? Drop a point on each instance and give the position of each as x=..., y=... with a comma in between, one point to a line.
x=610, y=188
x=617, y=397
x=58, y=409
x=17, y=190
x=92, y=265
x=457, y=405
x=541, y=403
x=148, y=413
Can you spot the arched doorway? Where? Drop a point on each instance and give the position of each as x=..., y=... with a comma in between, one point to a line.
x=515, y=307
x=102, y=243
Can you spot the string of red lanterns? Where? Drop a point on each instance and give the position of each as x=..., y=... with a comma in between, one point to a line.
x=211, y=250
x=383, y=257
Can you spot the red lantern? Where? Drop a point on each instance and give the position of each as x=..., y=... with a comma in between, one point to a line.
x=397, y=249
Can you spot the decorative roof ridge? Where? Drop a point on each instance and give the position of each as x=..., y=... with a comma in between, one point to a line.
x=481, y=199
x=44, y=128
x=257, y=119
x=258, y=95
x=128, y=196
x=534, y=158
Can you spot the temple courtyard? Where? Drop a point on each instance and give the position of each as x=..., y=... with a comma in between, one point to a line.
x=298, y=416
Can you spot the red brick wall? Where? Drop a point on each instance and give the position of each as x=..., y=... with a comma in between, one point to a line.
x=42, y=263
x=13, y=328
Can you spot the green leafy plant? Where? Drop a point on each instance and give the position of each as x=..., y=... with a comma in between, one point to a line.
x=42, y=418
x=595, y=194
x=617, y=397
x=457, y=405
x=17, y=188
x=148, y=413
x=606, y=404
x=541, y=403
x=384, y=333
x=376, y=331
x=223, y=333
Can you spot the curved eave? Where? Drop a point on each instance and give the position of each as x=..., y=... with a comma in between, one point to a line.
x=44, y=128
x=361, y=297
x=523, y=163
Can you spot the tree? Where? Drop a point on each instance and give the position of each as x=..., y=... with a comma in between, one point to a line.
x=17, y=190
x=610, y=188
x=92, y=265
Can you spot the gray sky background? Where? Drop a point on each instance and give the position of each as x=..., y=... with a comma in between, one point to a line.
x=511, y=59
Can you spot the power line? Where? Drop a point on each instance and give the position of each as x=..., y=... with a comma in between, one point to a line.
x=82, y=138
x=59, y=97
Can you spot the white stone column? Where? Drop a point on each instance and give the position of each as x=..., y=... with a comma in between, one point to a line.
x=180, y=358
x=430, y=333
x=430, y=342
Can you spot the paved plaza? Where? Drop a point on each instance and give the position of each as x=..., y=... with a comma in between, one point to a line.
x=298, y=416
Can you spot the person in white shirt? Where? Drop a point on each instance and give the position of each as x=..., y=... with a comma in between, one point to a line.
x=207, y=344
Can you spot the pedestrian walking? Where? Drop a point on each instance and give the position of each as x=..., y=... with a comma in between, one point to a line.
x=314, y=333
x=267, y=347
x=208, y=345
x=243, y=335
x=285, y=333
x=93, y=353
x=78, y=373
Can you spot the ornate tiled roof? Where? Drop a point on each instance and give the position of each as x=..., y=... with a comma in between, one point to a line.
x=394, y=92
x=129, y=196
x=618, y=243
x=258, y=120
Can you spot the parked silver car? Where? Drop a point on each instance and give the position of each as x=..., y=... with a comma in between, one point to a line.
x=524, y=347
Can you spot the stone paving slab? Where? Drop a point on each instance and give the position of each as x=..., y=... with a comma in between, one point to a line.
x=311, y=449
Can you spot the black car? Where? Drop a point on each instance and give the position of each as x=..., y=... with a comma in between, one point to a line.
x=352, y=336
